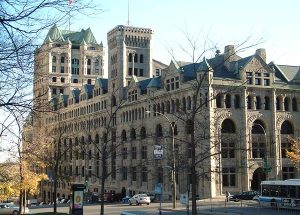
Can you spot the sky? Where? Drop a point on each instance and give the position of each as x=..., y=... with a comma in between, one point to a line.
x=273, y=24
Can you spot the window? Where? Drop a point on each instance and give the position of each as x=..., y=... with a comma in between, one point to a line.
x=54, y=59
x=227, y=150
x=237, y=102
x=284, y=147
x=53, y=68
x=130, y=57
x=143, y=133
x=89, y=62
x=141, y=58
x=132, y=134
x=287, y=128
x=97, y=64
x=141, y=72
x=229, y=177
x=288, y=173
x=286, y=104
x=257, y=78
x=62, y=69
x=134, y=173
x=228, y=101
x=54, y=91
x=172, y=83
x=258, y=103
x=144, y=152
x=123, y=136
x=135, y=58
x=144, y=174
x=129, y=72
x=249, y=78
x=266, y=79
x=228, y=126
x=89, y=81
x=62, y=59
x=219, y=101
x=75, y=66
x=258, y=150
x=133, y=152
x=62, y=80
x=88, y=71
x=249, y=102
x=53, y=79
x=294, y=104
x=159, y=132
x=61, y=91
x=124, y=173
x=75, y=80
x=135, y=71
x=277, y=103
x=267, y=103
x=157, y=72
x=124, y=153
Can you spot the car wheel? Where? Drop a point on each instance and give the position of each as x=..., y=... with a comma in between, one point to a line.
x=148, y=203
x=15, y=212
x=236, y=200
x=129, y=202
x=137, y=203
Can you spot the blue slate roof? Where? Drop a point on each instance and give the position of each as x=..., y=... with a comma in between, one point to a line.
x=64, y=98
x=103, y=82
x=144, y=83
x=155, y=83
x=88, y=88
x=75, y=94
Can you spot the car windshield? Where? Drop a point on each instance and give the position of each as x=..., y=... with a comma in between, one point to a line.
x=143, y=195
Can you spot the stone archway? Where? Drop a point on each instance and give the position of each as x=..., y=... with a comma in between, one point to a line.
x=257, y=178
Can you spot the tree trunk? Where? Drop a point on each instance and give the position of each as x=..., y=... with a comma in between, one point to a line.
x=54, y=196
x=103, y=178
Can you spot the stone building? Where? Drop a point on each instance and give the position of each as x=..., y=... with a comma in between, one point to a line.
x=245, y=108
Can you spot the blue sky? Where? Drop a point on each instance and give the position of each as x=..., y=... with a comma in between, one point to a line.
x=217, y=21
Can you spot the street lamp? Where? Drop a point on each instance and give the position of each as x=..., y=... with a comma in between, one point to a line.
x=266, y=167
x=173, y=156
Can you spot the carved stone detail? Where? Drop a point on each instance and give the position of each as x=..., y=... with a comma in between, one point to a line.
x=220, y=115
x=281, y=117
x=252, y=116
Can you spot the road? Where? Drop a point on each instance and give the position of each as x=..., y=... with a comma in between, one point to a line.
x=204, y=207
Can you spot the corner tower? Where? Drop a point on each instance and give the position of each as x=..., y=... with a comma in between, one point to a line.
x=129, y=53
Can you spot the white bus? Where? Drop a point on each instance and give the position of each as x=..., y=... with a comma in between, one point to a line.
x=282, y=194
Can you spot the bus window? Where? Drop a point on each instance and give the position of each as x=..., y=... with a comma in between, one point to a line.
x=282, y=191
x=291, y=192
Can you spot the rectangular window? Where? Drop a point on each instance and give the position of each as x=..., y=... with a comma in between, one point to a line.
x=157, y=72
x=135, y=71
x=130, y=71
x=124, y=153
x=124, y=173
x=228, y=177
x=88, y=71
x=134, y=173
x=62, y=69
x=62, y=59
x=53, y=68
x=141, y=72
x=266, y=82
x=133, y=153
x=53, y=79
x=249, y=77
x=258, y=150
x=54, y=91
x=257, y=81
x=62, y=80
x=288, y=173
x=144, y=174
x=144, y=152
x=61, y=91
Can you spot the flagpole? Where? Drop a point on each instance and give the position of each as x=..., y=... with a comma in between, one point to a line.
x=128, y=12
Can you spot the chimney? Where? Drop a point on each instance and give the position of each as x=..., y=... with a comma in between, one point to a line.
x=261, y=53
x=229, y=54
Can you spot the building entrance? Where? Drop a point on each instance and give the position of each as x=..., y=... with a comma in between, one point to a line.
x=258, y=177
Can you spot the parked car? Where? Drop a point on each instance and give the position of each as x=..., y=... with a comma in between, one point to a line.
x=125, y=199
x=247, y=195
x=9, y=208
x=139, y=199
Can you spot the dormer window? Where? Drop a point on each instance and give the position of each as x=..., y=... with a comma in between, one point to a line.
x=157, y=72
x=172, y=84
x=132, y=95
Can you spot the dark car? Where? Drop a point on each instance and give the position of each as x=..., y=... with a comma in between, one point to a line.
x=247, y=195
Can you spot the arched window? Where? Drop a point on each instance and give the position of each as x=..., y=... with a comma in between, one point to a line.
x=90, y=139
x=287, y=128
x=219, y=101
x=123, y=136
x=168, y=107
x=89, y=62
x=76, y=141
x=286, y=103
x=258, y=127
x=104, y=137
x=130, y=57
x=132, y=134
x=189, y=103
x=258, y=142
x=82, y=140
x=158, y=108
x=294, y=104
x=228, y=126
x=135, y=58
x=97, y=139
x=277, y=103
x=237, y=101
x=141, y=58
x=143, y=133
x=162, y=108
x=158, y=130
x=267, y=103
x=183, y=104
x=249, y=102
x=175, y=129
x=228, y=101
x=258, y=103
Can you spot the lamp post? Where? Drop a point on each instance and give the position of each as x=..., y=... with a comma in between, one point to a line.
x=173, y=156
x=266, y=167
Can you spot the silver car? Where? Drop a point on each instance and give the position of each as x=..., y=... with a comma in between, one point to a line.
x=139, y=199
x=9, y=208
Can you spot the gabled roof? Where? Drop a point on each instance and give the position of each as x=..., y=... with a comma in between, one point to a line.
x=76, y=93
x=144, y=83
x=76, y=37
x=103, y=83
x=88, y=89
x=290, y=72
